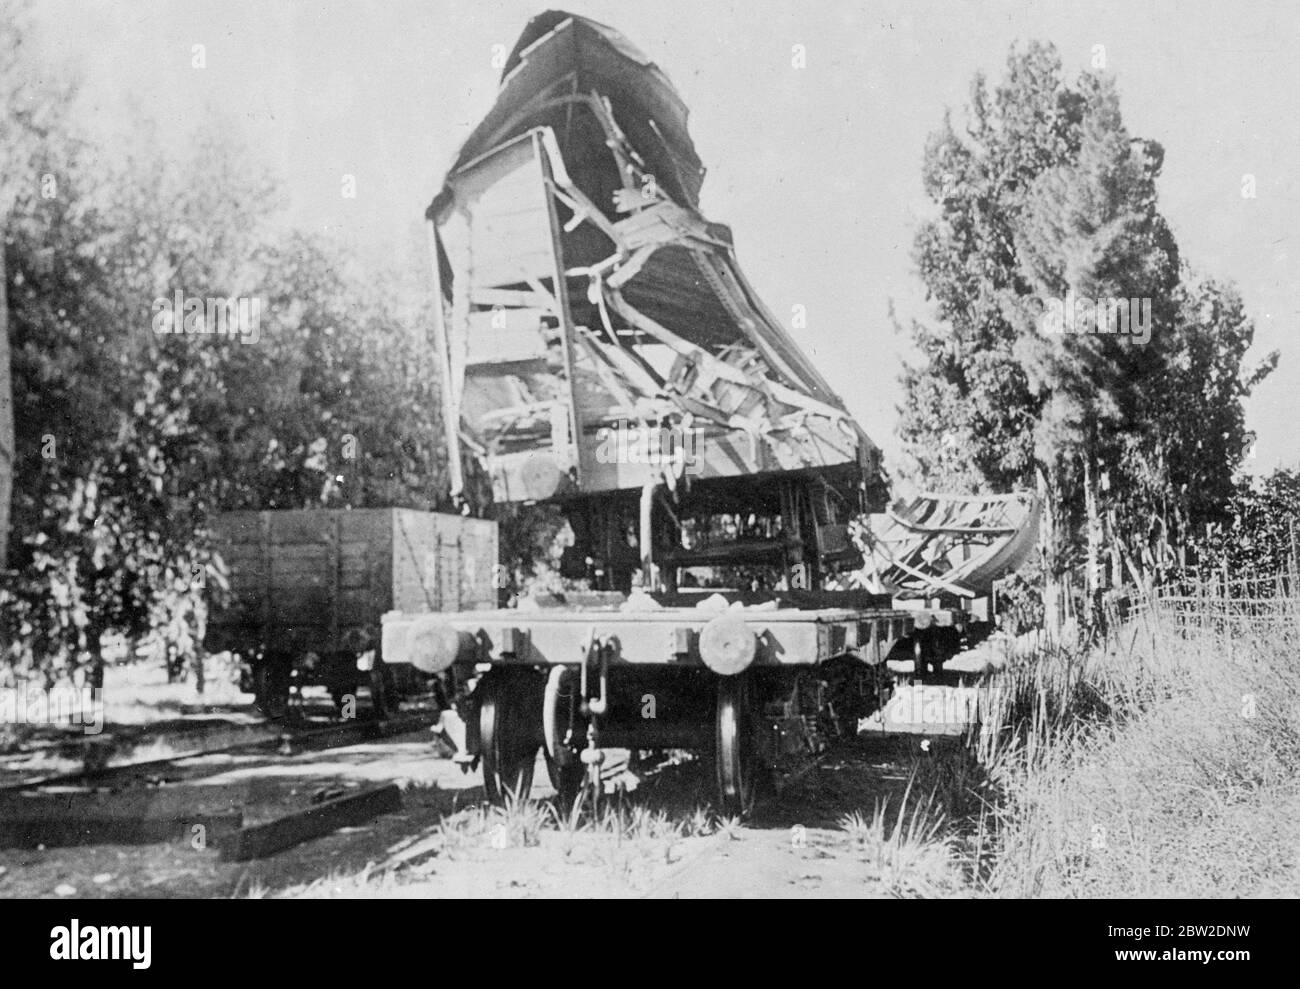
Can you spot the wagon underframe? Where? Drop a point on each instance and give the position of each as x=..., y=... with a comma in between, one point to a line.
x=752, y=690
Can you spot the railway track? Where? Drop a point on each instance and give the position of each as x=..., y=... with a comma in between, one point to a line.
x=257, y=798
x=288, y=740
x=169, y=798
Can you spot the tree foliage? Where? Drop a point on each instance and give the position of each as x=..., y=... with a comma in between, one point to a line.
x=127, y=440
x=1044, y=199
x=1260, y=535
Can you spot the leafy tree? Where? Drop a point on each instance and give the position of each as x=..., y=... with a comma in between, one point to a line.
x=1044, y=199
x=1090, y=230
x=128, y=440
x=26, y=114
x=1179, y=479
x=338, y=403
x=968, y=411
x=106, y=538
x=1259, y=536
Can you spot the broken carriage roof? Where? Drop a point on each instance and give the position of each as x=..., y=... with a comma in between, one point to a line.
x=935, y=544
x=560, y=55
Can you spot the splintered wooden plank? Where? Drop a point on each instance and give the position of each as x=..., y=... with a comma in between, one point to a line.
x=261, y=840
x=523, y=299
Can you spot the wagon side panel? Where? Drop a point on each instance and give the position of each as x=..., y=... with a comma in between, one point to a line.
x=416, y=564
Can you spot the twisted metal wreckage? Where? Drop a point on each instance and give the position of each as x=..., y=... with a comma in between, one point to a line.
x=584, y=295
x=937, y=545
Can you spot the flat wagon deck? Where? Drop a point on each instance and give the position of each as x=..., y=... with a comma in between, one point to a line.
x=754, y=688
x=676, y=636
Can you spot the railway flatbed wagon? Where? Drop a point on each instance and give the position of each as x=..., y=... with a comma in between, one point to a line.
x=758, y=689
x=601, y=350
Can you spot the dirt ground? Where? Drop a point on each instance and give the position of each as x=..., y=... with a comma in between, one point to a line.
x=658, y=841
x=829, y=832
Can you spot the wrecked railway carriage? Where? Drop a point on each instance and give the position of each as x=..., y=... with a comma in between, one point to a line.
x=602, y=349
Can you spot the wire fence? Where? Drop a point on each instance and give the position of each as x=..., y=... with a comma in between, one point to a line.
x=1214, y=602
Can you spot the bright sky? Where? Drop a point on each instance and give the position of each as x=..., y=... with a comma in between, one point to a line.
x=817, y=170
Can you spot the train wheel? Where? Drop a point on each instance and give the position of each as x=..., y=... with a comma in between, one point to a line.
x=271, y=678
x=385, y=698
x=736, y=750
x=564, y=730
x=508, y=720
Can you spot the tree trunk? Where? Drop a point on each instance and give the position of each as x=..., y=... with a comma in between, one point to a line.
x=1118, y=549
x=6, y=410
x=1047, y=551
x=1094, y=575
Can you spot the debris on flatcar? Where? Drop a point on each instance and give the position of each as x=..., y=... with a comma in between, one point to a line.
x=937, y=545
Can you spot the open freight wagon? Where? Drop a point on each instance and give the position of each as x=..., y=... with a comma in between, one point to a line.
x=309, y=588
